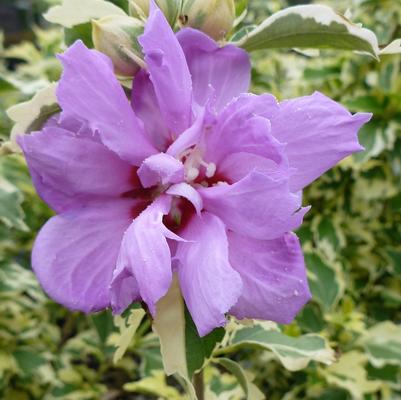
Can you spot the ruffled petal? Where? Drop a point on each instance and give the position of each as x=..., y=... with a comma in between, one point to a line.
x=76, y=126
x=188, y=192
x=89, y=90
x=318, y=132
x=144, y=102
x=189, y=137
x=240, y=129
x=160, y=169
x=124, y=289
x=238, y=165
x=208, y=283
x=168, y=71
x=258, y=206
x=68, y=171
x=226, y=69
x=76, y=252
x=273, y=273
x=144, y=259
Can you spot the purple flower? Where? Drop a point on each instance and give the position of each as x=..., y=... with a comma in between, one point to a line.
x=193, y=177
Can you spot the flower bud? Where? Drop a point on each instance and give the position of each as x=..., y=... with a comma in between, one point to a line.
x=171, y=9
x=139, y=8
x=214, y=17
x=116, y=36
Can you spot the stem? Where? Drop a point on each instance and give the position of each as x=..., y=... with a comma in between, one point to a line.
x=199, y=385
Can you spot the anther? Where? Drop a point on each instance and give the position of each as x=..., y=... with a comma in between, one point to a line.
x=192, y=173
x=210, y=170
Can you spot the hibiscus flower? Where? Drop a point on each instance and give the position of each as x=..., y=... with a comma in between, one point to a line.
x=194, y=176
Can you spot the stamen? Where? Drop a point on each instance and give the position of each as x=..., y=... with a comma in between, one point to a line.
x=192, y=173
x=210, y=170
x=193, y=162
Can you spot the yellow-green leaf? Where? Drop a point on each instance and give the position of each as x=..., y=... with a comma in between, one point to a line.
x=11, y=213
x=383, y=344
x=76, y=12
x=250, y=389
x=310, y=26
x=127, y=331
x=295, y=353
x=154, y=385
x=393, y=48
x=169, y=324
x=32, y=114
x=350, y=373
x=183, y=351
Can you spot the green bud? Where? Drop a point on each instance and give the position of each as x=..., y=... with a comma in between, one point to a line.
x=116, y=36
x=171, y=9
x=214, y=17
x=139, y=8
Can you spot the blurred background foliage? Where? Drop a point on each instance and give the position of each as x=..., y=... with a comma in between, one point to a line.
x=351, y=239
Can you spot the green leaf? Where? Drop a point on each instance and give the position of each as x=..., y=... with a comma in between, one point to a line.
x=103, y=322
x=250, y=390
x=375, y=138
x=11, y=213
x=382, y=343
x=395, y=258
x=154, y=385
x=329, y=236
x=169, y=325
x=243, y=32
x=310, y=318
x=350, y=373
x=295, y=353
x=389, y=373
x=76, y=12
x=366, y=103
x=221, y=385
x=31, y=115
x=393, y=48
x=28, y=361
x=310, y=26
x=241, y=9
x=127, y=328
x=334, y=394
x=171, y=9
x=7, y=363
x=321, y=73
x=198, y=348
x=81, y=31
x=5, y=84
x=183, y=351
x=17, y=279
x=324, y=281
x=151, y=359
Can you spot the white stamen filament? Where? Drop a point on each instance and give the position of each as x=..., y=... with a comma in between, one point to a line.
x=210, y=170
x=192, y=173
x=193, y=162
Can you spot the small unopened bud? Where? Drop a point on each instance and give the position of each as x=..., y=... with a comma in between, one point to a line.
x=139, y=8
x=171, y=9
x=214, y=17
x=116, y=36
